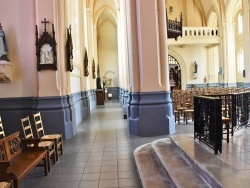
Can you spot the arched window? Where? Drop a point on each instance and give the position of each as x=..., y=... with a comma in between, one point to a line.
x=240, y=60
x=240, y=24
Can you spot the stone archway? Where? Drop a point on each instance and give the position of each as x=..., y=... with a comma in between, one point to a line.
x=174, y=73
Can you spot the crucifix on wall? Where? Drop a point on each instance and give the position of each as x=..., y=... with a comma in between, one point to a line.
x=45, y=22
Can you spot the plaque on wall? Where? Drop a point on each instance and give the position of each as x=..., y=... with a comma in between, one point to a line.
x=93, y=69
x=69, y=50
x=46, y=49
x=86, y=63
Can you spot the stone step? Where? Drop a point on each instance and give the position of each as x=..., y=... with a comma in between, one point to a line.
x=181, y=161
x=151, y=173
x=212, y=168
x=182, y=174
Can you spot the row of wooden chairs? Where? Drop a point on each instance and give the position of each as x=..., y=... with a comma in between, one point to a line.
x=183, y=105
x=53, y=143
x=183, y=100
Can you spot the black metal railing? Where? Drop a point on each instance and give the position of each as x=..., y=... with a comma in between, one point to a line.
x=208, y=122
x=236, y=107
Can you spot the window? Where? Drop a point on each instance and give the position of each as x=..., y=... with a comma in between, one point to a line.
x=240, y=24
x=240, y=60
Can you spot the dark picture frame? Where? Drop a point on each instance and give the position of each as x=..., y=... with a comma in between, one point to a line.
x=86, y=63
x=69, y=50
x=46, y=49
x=93, y=69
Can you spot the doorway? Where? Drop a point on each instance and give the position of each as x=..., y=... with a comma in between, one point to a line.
x=174, y=73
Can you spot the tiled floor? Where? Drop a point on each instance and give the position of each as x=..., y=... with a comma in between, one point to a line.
x=101, y=153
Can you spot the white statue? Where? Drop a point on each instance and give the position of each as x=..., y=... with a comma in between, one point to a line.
x=46, y=54
x=3, y=45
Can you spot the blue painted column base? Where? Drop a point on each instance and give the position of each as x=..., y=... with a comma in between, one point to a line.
x=150, y=114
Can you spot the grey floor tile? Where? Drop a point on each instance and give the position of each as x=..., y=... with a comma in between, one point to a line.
x=109, y=169
x=72, y=177
x=94, y=163
x=96, y=158
x=75, y=170
x=89, y=184
x=91, y=176
x=122, y=168
x=127, y=175
x=128, y=183
x=108, y=175
x=72, y=184
x=92, y=169
x=110, y=163
x=108, y=183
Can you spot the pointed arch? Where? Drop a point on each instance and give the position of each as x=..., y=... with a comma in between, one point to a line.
x=212, y=20
x=182, y=64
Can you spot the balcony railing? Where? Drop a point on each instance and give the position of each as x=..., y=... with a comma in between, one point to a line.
x=200, y=31
x=174, y=28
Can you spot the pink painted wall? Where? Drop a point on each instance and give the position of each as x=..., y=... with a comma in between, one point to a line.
x=18, y=22
x=19, y=19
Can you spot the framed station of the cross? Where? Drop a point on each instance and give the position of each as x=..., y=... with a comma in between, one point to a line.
x=46, y=49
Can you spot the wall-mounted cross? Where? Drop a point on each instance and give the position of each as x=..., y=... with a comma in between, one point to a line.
x=45, y=22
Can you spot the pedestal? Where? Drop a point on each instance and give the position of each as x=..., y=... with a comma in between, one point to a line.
x=5, y=71
x=100, y=96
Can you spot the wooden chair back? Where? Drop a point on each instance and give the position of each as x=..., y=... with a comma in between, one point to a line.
x=2, y=135
x=12, y=145
x=3, y=155
x=27, y=129
x=38, y=125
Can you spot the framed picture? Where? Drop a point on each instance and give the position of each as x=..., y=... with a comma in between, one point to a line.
x=69, y=51
x=46, y=49
x=86, y=64
x=93, y=69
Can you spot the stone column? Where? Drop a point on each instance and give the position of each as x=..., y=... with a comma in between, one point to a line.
x=246, y=23
x=150, y=108
x=123, y=63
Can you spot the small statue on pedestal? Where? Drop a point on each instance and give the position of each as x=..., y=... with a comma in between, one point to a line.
x=3, y=45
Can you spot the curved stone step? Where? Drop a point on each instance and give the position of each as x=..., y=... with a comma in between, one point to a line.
x=181, y=173
x=152, y=175
x=215, y=170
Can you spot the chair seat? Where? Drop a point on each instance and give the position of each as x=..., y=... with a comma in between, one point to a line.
x=189, y=110
x=46, y=144
x=51, y=136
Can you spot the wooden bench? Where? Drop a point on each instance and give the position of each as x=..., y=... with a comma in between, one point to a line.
x=5, y=184
x=19, y=157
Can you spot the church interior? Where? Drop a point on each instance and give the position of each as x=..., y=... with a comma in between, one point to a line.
x=117, y=84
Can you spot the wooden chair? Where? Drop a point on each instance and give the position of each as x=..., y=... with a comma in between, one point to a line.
x=177, y=116
x=226, y=121
x=188, y=113
x=56, y=138
x=2, y=135
x=48, y=145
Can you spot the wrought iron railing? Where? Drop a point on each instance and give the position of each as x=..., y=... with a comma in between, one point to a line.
x=208, y=122
x=236, y=107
